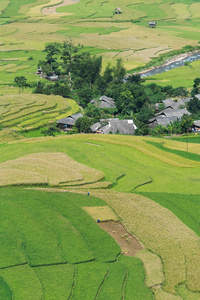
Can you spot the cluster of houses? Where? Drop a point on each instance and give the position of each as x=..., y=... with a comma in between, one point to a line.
x=104, y=126
x=173, y=110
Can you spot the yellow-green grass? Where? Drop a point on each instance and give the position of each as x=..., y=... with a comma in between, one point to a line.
x=11, y=245
x=25, y=110
x=57, y=281
x=181, y=11
x=158, y=229
x=153, y=268
x=104, y=213
x=113, y=286
x=129, y=162
x=159, y=294
x=134, y=37
x=163, y=233
x=64, y=230
x=47, y=168
x=186, y=294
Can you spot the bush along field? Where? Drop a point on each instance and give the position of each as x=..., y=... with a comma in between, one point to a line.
x=155, y=195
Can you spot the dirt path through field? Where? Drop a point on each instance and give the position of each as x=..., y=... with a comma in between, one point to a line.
x=129, y=245
x=52, y=9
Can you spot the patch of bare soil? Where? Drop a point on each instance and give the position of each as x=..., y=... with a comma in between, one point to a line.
x=129, y=244
x=52, y=9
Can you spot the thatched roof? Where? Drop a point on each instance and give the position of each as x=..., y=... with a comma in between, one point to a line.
x=104, y=102
x=115, y=126
x=70, y=120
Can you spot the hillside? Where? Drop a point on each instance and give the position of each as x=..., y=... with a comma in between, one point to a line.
x=88, y=216
x=126, y=173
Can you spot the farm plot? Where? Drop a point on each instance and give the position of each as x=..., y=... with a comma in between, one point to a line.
x=164, y=234
x=47, y=168
x=37, y=218
x=22, y=112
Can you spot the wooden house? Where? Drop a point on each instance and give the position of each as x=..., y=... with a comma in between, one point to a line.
x=152, y=24
x=117, y=10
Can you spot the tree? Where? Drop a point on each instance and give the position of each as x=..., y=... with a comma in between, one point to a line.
x=186, y=123
x=21, y=82
x=86, y=68
x=119, y=71
x=68, y=51
x=194, y=105
x=85, y=96
x=51, y=130
x=50, y=65
x=196, y=87
x=83, y=124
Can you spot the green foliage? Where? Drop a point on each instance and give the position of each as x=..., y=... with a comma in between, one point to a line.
x=194, y=105
x=51, y=131
x=21, y=82
x=85, y=96
x=83, y=124
x=55, y=89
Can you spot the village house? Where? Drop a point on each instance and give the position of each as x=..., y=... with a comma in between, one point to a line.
x=104, y=102
x=68, y=122
x=117, y=10
x=114, y=126
x=173, y=111
x=152, y=24
x=196, y=126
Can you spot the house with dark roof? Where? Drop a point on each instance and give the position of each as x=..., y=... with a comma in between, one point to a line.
x=114, y=126
x=104, y=102
x=168, y=115
x=196, y=126
x=117, y=10
x=152, y=24
x=68, y=122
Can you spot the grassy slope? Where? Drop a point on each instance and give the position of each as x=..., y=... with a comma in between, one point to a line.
x=53, y=279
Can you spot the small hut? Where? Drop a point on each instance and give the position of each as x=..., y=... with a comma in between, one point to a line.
x=152, y=24
x=117, y=10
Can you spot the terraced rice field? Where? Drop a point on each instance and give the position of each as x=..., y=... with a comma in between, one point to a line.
x=59, y=253
x=163, y=215
x=26, y=27
x=27, y=112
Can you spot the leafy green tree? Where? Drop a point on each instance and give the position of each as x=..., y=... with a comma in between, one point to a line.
x=21, y=82
x=86, y=68
x=186, y=123
x=196, y=87
x=85, y=96
x=119, y=71
x=125, y=102
x=145, y=114
x=51, y=65
x=93, y=111
x=51, y=130
x=83, y=124
x=67, y=56
x=194, y=105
